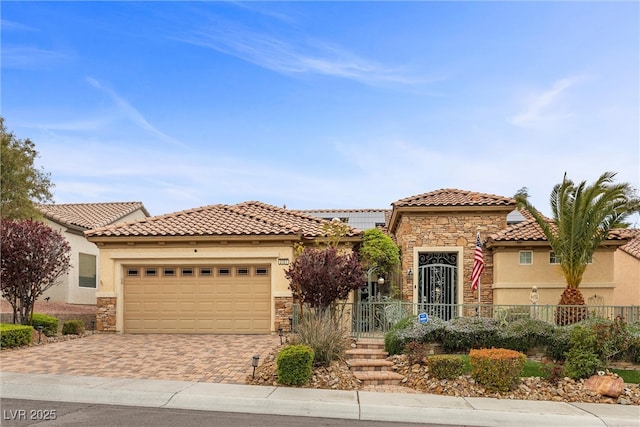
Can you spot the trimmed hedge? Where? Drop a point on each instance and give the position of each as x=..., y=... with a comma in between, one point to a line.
x=497, y=369
x=465, y=333
x=15, y=335
x=49, y=324
x=73, y=327
x=295, y=364
x=445, y=366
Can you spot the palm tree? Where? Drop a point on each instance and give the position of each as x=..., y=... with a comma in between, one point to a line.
x=583, y=215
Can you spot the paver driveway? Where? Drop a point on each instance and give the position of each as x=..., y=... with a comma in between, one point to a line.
x=200, y=358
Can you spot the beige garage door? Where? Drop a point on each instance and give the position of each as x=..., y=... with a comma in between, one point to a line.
x=197, y=299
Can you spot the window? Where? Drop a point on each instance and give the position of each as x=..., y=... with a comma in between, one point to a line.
x=205, y=272
x=187, y=272
x=132, y=272
x=150, y=272
x=242, y=271
x=526, y=257
x=553, y=259
x=169, y=272
x=224, y=271
x=87, y=271
x=261, y=271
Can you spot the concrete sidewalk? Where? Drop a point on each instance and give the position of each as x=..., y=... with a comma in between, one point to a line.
x=358, y=405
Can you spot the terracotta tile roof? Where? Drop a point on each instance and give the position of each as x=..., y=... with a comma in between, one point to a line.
x=90, y=215
x=243, y=219
x=632, y=247
x=454, y=197
x=530, y=231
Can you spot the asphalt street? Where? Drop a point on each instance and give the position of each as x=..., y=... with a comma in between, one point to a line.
x=22, y=413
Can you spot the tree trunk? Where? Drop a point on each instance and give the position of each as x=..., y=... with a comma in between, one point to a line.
x=572, y=308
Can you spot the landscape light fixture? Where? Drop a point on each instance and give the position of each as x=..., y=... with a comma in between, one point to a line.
x=254, y=363
x=40, y=334
x=280, y=334
x=93, y=327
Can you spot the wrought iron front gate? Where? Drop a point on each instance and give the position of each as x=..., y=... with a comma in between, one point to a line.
x=437, y=283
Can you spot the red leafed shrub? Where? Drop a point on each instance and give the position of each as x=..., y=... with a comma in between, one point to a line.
x=34, y=257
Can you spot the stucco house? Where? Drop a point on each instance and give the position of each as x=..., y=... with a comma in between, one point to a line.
x=79, y=285
x=213, y=269
x=220, y=268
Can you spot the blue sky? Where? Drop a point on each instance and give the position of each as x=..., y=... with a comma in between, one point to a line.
x=321, y=104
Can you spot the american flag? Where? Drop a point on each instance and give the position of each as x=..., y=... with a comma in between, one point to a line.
x=478, y=265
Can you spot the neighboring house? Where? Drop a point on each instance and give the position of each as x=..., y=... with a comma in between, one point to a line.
x=221, y=268
x=214, y=269
x=71, y=220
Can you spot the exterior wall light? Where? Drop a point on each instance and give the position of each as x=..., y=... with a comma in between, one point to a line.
x=410, y=274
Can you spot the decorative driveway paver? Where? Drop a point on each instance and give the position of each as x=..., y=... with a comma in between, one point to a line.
x=181, y=357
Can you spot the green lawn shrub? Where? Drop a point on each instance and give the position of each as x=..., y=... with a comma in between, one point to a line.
x=633, y=351
x=559, y=343
x=15, y=335
x=73, y=327
x=393, y=341
x=445, y=366
x=464, y=333
x=49, y=324
x=295, y=364
x=429, y=332
x=497, y=369
x=524, y=334
x=581, y=363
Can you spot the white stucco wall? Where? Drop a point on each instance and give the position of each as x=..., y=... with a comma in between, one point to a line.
x=68, y=289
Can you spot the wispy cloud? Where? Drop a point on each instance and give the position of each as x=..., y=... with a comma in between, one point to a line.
x=31, y=57
x=540, y=105
x=131, y=113
x=15, y=26
x=295, y=57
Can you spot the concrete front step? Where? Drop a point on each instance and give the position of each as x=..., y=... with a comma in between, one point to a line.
x=369, y=364
x=378, y=378
x=366, y=353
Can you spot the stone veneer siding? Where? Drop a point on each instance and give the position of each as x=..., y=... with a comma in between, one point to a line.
x=283, y=313
x=450, y=229
x=106, y=314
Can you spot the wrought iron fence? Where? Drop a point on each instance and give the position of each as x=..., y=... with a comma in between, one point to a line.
x=371, y=319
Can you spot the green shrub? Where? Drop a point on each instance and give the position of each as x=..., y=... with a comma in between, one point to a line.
x=15, y=335
x=559, y=343
x=497, y=369
x=49, y=324
x=465, y=333
x=581, y=363
x=73, y=327
x=429, y=332
x=295, y=364
x=393, y=341
x=445, y=366
x=524, y=334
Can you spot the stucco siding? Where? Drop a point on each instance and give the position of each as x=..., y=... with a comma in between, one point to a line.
x=627, y=275
x=113, y=259
x=68, y=289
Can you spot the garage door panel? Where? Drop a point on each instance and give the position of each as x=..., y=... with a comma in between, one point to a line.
x=197, y=304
